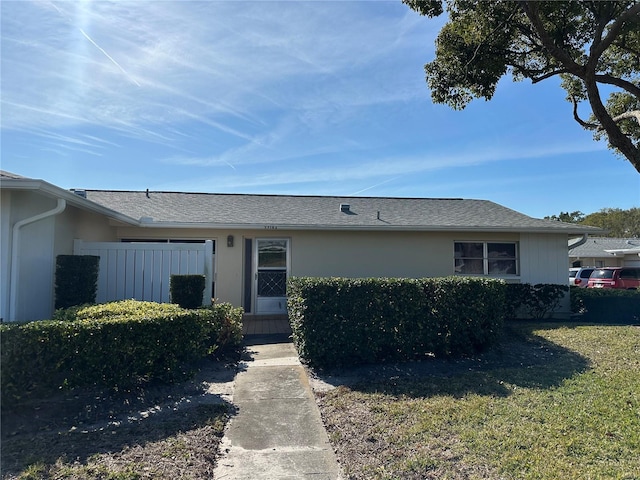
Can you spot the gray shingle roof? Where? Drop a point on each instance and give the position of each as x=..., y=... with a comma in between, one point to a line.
x=596, y=246
x=321, y=212
x=14, y=176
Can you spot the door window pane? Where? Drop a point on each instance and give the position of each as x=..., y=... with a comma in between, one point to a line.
x=272, y=283
x=272, y=254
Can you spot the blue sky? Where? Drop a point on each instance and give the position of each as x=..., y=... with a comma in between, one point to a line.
x=325, y=98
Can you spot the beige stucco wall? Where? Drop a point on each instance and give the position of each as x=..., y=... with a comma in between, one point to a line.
x=324, y=253
x=542, y=257
x=76, y=223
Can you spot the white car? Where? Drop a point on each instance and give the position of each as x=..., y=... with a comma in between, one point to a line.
x=579, y=276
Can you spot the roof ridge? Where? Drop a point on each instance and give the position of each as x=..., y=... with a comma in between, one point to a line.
x=276, y=195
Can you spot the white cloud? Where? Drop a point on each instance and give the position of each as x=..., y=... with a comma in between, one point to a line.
x=323, y=176
x=148, y=63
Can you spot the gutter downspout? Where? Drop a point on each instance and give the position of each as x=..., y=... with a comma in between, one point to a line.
x=15, y=252
x=582, y=241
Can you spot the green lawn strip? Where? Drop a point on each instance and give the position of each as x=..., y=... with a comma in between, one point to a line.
x=575, y=415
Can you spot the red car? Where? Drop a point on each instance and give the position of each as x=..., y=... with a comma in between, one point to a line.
x=627, y=278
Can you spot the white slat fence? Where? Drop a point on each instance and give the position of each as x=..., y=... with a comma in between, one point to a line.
x=142, y=271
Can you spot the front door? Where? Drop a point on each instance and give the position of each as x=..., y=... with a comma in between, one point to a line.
x=272, y=263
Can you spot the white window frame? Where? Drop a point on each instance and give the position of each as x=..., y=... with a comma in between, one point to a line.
x=486, y=259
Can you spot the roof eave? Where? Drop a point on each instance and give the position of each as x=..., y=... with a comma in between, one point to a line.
x=624, y=251
x=413, y=228
x=56, y=192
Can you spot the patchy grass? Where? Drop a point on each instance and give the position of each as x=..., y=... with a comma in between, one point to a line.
x=153, y=432
x=556, y=401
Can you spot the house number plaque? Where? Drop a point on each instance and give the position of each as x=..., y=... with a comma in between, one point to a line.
x=270, y=227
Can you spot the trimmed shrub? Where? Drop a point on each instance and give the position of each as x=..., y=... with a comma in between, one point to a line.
x=515, y=299
x=544, y=299
x=533, y=301
x=606, y=305
x=76, y=280
x=187, y=290
x=339, y=321
x=115, y=345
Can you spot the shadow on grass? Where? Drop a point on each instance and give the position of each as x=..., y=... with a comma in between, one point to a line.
x=521, y=360
x=76, y=425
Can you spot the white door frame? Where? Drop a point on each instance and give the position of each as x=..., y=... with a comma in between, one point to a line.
x=269, y=304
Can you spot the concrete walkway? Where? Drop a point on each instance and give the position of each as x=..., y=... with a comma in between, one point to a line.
x=277, y=432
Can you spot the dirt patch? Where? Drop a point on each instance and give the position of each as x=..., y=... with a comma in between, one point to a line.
x=153, y=431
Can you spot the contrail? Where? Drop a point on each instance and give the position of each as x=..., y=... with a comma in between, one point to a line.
x=374, y=186
x=109, y=57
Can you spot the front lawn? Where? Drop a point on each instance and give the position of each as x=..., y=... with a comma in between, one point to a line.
x=554, y=401
x=155, y=431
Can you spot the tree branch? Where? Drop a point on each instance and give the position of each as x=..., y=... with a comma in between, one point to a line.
x=628, y=49
x=596, y=126
x=531, y=11
x=597, y=48
x=631, y=114
x=630, y=87
x=617, y=138
x=549, y=75
x=576, y=117
x=597, y=35
x=497, y=27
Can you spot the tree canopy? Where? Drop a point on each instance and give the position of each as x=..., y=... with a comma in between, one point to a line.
x=619, y=223
x=588, y=44
x=567, y=217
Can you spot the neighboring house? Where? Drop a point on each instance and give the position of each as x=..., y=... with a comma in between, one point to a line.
x=606, y=252
x=257, y=241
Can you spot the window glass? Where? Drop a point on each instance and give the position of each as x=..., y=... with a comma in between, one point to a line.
x=502, y=258
x=272, y=254
x=469, y=266
x=469, y=250
x=628, y=273
x=491, y=258
x=500, y=267
x=602, y=274
x=586, y=272
x=501, y=250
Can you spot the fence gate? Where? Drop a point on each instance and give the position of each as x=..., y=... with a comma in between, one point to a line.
x=142, y=271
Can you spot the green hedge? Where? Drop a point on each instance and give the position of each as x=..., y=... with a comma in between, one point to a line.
x=113, y=345
x=533, y=301
x=186, y=290
x=338, y=321
x=76, y=280
x=606, y=305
